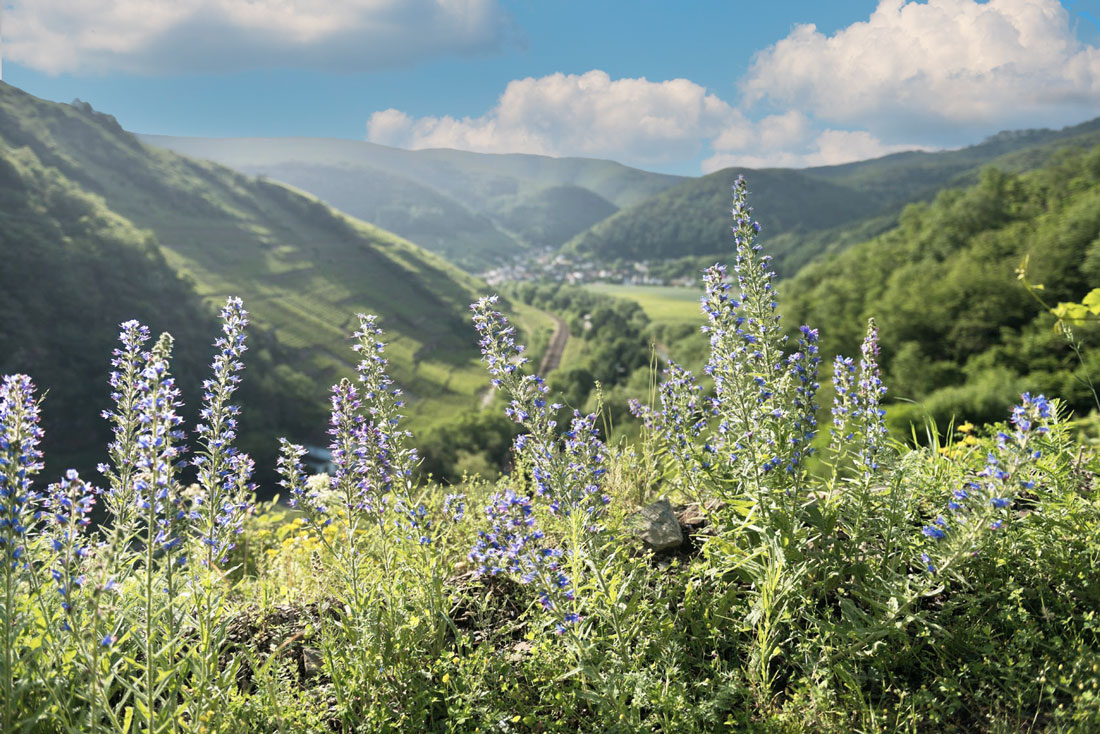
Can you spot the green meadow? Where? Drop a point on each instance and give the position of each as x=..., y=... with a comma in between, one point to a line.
x=663, y=304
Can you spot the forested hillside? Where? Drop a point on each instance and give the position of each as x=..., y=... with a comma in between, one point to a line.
x=960, y=334
x=104, y=224
x=417, y=212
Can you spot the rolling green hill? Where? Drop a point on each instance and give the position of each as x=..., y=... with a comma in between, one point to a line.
x=73, y=271
x=366, y=180
x=680, y=222
x=809, y=212
x=416, y=212
x=302, y=269
x=550, y=216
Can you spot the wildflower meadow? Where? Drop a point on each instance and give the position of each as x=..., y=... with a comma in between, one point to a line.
x=828, y=576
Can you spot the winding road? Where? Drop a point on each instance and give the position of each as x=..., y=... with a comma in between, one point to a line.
x=552, y=358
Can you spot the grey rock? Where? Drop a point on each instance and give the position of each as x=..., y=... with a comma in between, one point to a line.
x=312, y=662
x=656, y=525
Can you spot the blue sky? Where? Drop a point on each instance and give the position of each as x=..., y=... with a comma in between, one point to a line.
x=684, y=87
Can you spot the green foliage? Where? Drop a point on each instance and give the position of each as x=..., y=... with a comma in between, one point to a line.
x=802, y=600
x=1010, y=640
x=477, y=444
x=613, y=331
x=960, y=336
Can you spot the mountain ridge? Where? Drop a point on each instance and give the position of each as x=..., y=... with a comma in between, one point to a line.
x=473, y=186
x=302, y=268
x=673, y=223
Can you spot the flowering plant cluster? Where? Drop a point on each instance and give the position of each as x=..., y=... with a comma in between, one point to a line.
x=984, y=502
x=70, y=504
x=373, y=463
x=859, y=425
x=681, y=424
x=568, y=472
x=372, y=521
x=156, y=537
x=753, y=435
x=568, y=475
x=798, y=588
x=20, y=460
x=224, y=473
x=513, y=544
x=764, y=400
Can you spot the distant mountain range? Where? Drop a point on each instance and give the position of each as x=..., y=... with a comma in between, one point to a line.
x=808, y=212
x=476, y=210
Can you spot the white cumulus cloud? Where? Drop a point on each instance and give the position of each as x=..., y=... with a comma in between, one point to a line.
x=914, y=75
x=825, y=148
x=189, y=36
x=588, y=114
x=929, y=69
x=636, y=121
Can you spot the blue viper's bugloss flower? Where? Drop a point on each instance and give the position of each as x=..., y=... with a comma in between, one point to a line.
x=373, y=465
x=764, y=407
x=680, y=424
x=349, y=446
x=454, y=506
x=127, y=363
x=69, y=505
x=859, y=421
x=504, y=358
x=871, y=390
x=986, y=500
x=514, y=545
x=388, y=461
x=511, y=536
x=569, y=477
x=583, y=490
x=745, y=330
x=293, y=478
x=158, y=439
x=20, y=460
x=803, y=366
x=224, y=474
x=845, y=405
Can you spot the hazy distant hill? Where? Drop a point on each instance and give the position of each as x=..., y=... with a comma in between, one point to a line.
x=807, y=212
x=500, y=204
x=421, y=214
x=550, y=216
x=100, y=213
